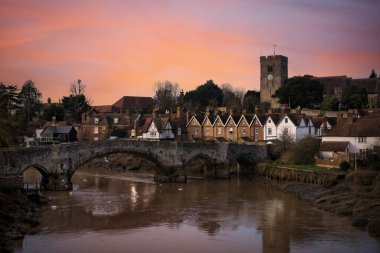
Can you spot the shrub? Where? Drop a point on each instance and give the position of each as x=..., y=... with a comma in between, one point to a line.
x=344, y=165
x=305, y=150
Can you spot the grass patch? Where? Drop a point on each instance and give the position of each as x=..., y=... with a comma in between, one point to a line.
x=308, y=167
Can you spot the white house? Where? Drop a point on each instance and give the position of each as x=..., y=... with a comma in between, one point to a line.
x=157, y=129
x=362, y=134
x=270, y=127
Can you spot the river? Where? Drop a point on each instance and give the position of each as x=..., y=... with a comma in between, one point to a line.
x=125, y=212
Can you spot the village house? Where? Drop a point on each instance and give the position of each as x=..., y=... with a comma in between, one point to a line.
x=362, y=133
x=158, y=129
x=194, y=127
x=297, y=126
x=243, y=128
x=208, y=129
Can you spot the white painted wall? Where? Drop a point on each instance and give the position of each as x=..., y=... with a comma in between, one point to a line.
x=269, y=124
x=355, y=146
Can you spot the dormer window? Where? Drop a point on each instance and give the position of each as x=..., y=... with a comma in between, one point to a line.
x=286, y=120
x=269, y=121
x=96, y=120
x=115, y=120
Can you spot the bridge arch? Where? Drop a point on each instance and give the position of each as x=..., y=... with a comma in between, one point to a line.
x=28, y=177
x=241, y=165
x=158, y=166
x=200, y=165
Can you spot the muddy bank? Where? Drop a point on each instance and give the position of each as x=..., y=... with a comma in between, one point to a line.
x=18, y=216
x=356, y=196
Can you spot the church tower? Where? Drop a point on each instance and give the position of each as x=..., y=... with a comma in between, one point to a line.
x=273, y=74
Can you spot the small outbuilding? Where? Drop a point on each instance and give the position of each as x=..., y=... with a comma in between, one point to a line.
x=53, y=134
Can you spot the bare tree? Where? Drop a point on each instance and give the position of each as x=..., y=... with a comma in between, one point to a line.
x=166, y=94
x=232, y=97
x=77, y=88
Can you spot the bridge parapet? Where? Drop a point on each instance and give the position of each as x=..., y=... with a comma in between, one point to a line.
x=170, y=157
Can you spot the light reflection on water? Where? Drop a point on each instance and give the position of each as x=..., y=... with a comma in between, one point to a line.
x=119, y=212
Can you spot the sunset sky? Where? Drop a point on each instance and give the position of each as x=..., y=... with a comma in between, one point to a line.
x=123, y=47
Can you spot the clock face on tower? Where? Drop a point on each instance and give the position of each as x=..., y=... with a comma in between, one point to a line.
x=270, y=77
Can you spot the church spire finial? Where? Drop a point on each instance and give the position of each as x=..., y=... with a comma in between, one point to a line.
x=274, y=49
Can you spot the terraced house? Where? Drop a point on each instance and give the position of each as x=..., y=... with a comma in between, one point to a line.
x=251, y=127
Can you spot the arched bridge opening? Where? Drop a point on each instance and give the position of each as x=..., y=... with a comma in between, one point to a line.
x=120, y=162
x=242, y=167
x=200, y=166
x=35, y=175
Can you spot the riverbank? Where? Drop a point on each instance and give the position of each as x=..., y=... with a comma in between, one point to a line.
x=18, y=216
x=357, y=195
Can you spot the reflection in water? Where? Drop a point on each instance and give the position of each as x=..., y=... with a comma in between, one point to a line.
x=122, y=212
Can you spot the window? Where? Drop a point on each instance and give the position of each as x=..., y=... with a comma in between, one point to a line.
x=96, y=120
x=115, y=120
x=96, y=138
x=219, y=130
x=269, y=121
x=269, y=131
x=196, y=131
x=286, y=120
x=179, y=131
x=362, y=139
x=256, y=130
x=231, y=130
x=243, y=131
x=153, y=133
x=96, y=130
x=104, y=130
x=207, y=131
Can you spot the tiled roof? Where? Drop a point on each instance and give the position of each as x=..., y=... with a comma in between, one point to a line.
x=146, y=125
x=335, y=146
x=134, y=102
x=371, y=85
x=58, y=129
x=332, y=82
x=360, y=127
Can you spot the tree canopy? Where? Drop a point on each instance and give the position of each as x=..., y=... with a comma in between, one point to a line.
x=354, y=97
x=208, y=94
x=30, y=98
x=303, y=91
x=251, y=99
x=330, y=103
x=166, y=95
x=373, y=74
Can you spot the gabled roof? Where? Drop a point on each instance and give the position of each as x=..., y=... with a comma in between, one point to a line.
x=59, y=129
x=146, y=125
x=274, y=116
x=134, y=102
x=222, y=118
x=211, y=118
x=359, y=127
x=198, y=118
x=248, y=118
x=318, y=121
x=334, y=146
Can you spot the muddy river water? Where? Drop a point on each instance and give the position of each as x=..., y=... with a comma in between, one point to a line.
x=122, y=212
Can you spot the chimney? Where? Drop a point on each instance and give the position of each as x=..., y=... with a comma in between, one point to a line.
x=154, y=115
x=178, y=112
x=244, y=112
x=231, y=111
x=298, y=110
x=270, y=110
x=207, y=111
x=53, y=121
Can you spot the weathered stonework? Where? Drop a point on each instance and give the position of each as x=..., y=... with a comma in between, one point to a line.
x=59, y=162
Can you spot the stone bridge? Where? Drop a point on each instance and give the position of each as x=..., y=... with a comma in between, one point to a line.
x=57, y=163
